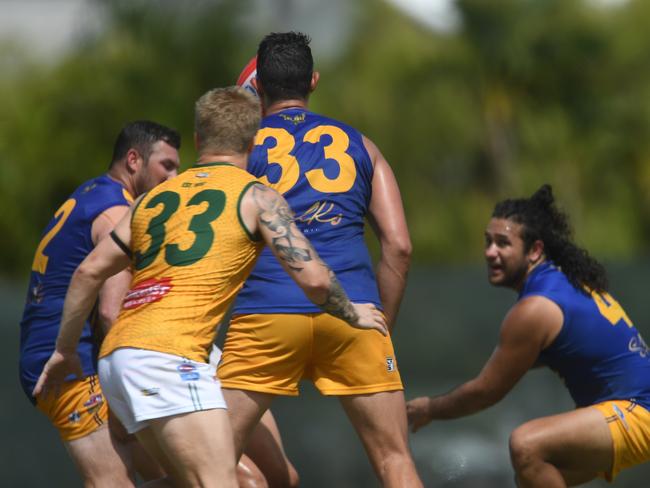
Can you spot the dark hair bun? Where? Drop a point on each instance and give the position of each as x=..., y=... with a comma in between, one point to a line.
x=544, y=196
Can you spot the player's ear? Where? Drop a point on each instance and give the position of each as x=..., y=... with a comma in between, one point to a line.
x=536, y=252
x=254, y=83
x=196, y=141
x=132, y=157
x=315, y=76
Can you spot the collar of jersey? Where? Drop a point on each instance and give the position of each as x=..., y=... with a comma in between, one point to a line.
x=203, y=165
x=541, y=267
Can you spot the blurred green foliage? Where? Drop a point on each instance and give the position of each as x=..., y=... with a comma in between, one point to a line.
x=522, y=93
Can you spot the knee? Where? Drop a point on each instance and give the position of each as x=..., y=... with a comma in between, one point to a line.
x=395, y=461
x=523, y=449
x=250, y=478
x=252, y=481
x=285, y=478
x=108, y=479
x=294, y=479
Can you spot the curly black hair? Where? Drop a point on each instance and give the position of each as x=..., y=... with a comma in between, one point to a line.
x=542, y=220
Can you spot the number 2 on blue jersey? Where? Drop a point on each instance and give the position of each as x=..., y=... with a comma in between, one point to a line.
x=40, y=258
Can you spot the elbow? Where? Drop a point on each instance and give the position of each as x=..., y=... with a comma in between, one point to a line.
x=317, y=285
x=106, y=315
x=405, y=250
x=489, y=397
x=403, y=247
x=85, y=275
x=317, y=289
x=400, y=250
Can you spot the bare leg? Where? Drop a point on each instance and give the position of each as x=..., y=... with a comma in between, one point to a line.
x=195, y=449
x=245, y=409
x=160, y=483
x=561, y=450
x=101, y=461
x=144, y=464
x=266, y=450
x=249, y=475
x=380, y=421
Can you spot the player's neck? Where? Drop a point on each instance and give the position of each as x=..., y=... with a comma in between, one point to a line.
x=238, y=160
x=531, y=267
x=123, y=179
x=281, y=105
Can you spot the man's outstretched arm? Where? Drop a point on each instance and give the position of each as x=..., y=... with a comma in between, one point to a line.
x=529, y=327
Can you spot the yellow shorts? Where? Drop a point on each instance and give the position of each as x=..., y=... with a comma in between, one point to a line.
x=629, y=425
x=271, y=353
x=78, y=410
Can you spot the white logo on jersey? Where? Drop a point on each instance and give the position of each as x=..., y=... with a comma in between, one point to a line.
x=637, y=344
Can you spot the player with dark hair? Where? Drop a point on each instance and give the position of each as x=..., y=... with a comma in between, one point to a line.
x=145, y=154
x=333, y=177
x=565, y=319
x=191, y=241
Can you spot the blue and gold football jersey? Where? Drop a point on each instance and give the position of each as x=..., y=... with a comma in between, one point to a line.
x=65, y=242
x=599, y=353
x=323, y=170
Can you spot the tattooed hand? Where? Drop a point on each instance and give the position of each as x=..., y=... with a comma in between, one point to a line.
x=358, y=315
x=370, y=318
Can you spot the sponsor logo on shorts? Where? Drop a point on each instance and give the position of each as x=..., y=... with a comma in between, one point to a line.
x=621, y=415
x=390, y=364
x=147, y=291
x=74, y=417
x=150, y=391
x=188, y=372
x=94, y=402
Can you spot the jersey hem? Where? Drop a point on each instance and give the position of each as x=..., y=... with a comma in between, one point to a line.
x=361, y=390
x=191, y=357
x=297, y=310
x=74, y=437
x=143, y=417
x=236, y=385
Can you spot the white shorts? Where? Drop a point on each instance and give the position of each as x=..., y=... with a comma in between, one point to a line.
x=215, y=356
x=141, y=385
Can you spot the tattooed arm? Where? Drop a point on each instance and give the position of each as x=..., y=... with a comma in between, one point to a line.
x=266, y=213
